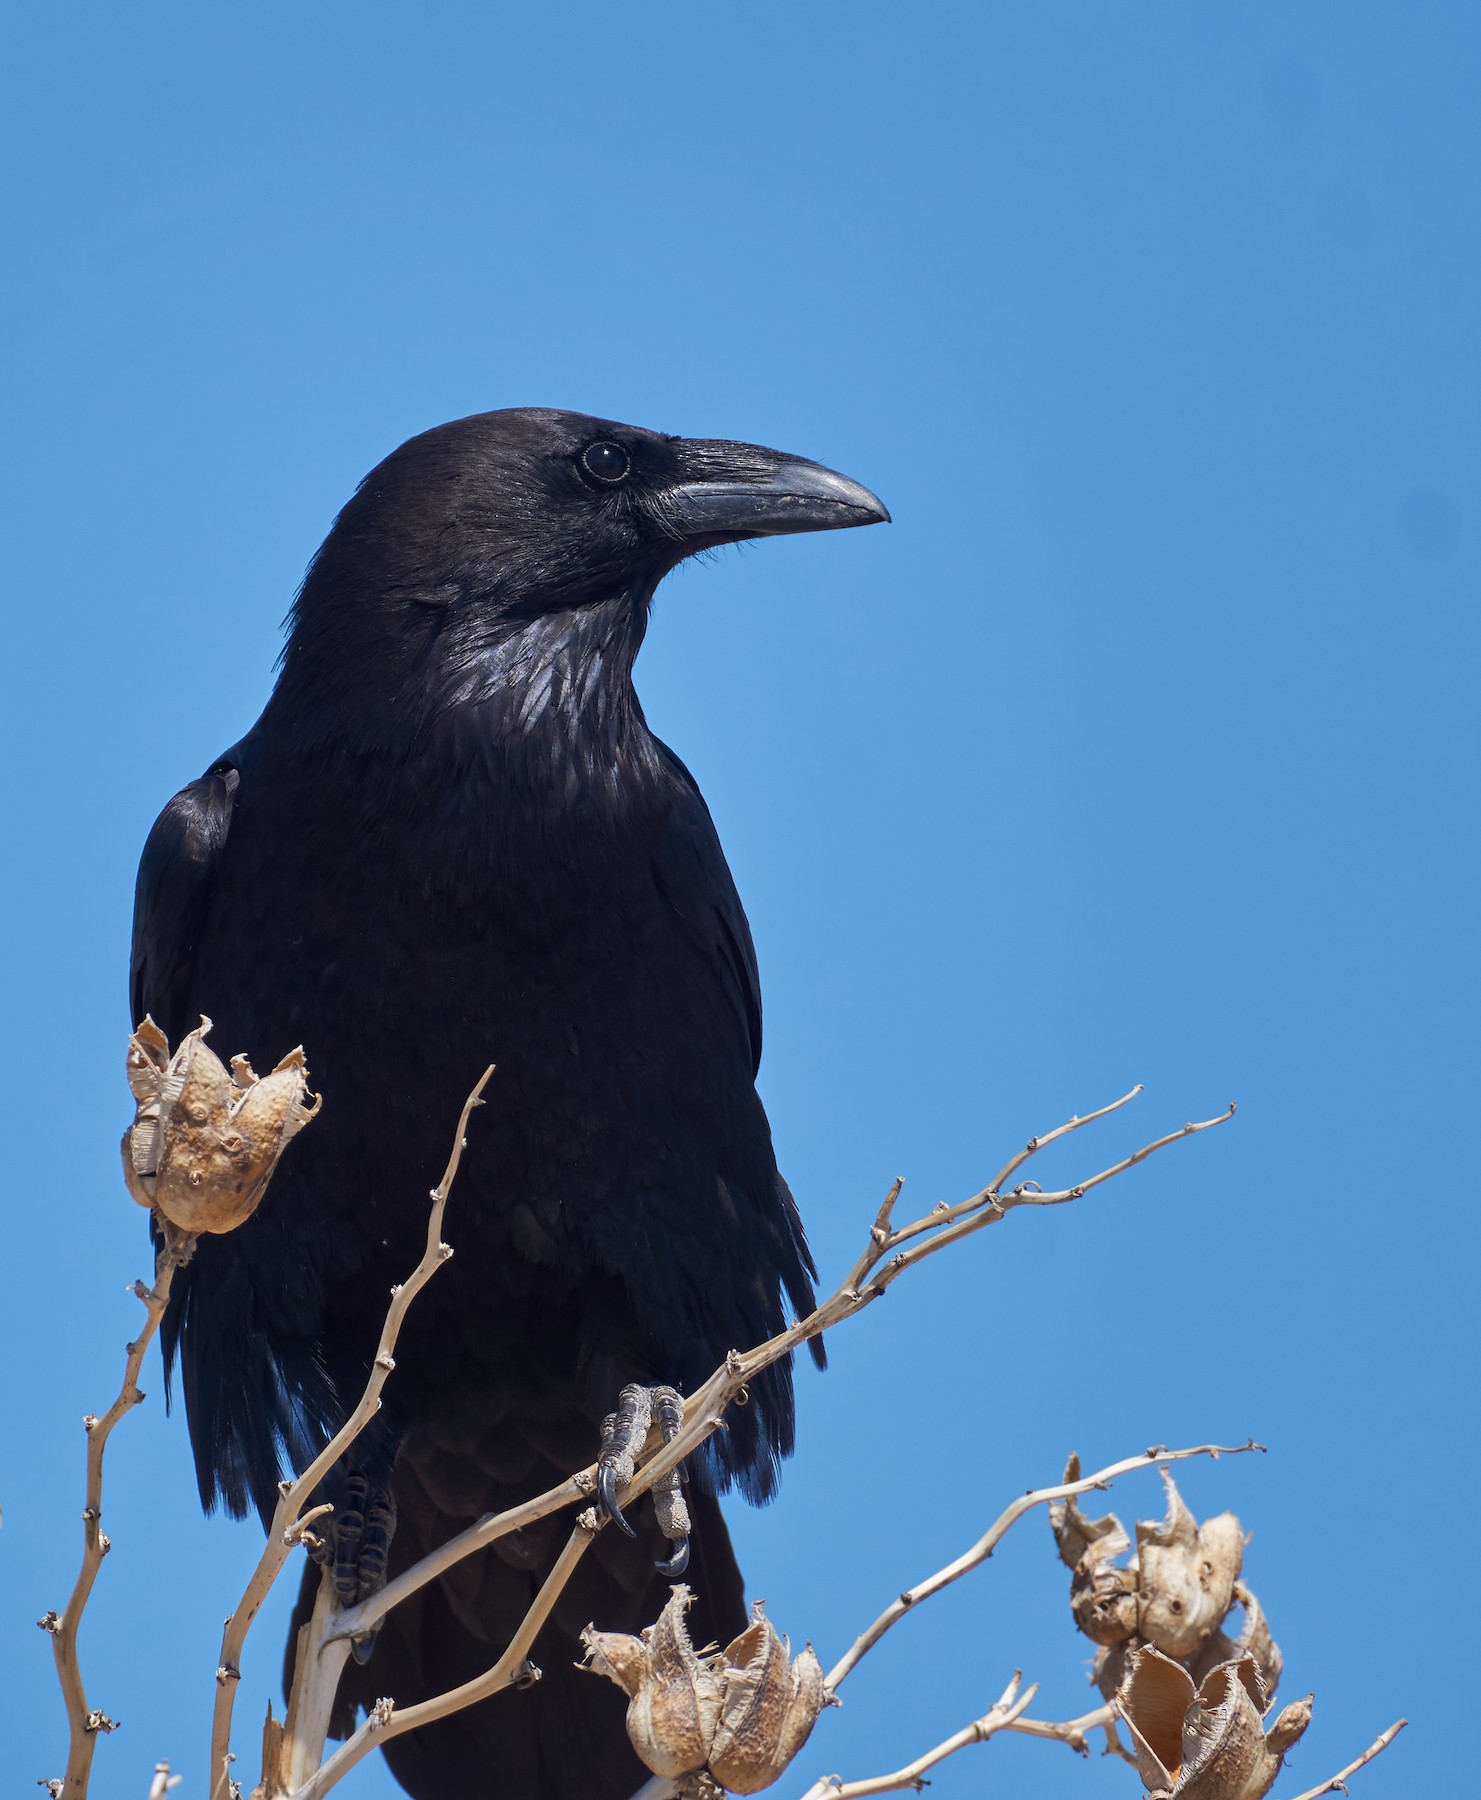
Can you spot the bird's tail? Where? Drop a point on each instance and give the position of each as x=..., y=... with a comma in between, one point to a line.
x=562, y=1737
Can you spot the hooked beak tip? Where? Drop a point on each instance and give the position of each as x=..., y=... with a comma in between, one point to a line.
x=765, y=494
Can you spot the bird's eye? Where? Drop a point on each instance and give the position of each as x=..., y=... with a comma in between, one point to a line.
x=606, y=461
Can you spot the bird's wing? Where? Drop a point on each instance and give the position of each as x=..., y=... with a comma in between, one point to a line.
x=692, y=872
x=172, y=897
x=253, y=1395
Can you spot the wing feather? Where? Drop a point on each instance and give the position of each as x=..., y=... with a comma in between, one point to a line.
x=172, y=898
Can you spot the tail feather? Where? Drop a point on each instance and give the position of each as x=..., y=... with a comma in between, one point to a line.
x=563, y=1738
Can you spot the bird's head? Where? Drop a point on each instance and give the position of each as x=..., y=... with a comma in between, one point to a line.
x=494, y=524
x=530, y=508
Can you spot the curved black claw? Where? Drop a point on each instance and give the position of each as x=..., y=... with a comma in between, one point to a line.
x=607, y=1499
x=676, y=1564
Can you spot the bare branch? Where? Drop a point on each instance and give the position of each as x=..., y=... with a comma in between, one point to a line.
x=945, y=1215
x=84, y=1723
x=1337, y=1784
x=164, y=1782
x=998, y=1530
x=999, y=1717
x=488, y=1530
x=292, y=1752
x=990, y=1206
x=386, y=1721
x=297, y=1745
x=287, y=1526
x=703, y=1410
x=1073, y=1732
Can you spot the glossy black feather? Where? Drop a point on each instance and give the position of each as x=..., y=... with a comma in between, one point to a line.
x=452, y=840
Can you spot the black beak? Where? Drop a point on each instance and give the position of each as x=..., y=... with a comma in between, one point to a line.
x=730, y=491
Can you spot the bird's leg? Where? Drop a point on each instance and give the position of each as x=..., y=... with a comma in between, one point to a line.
x=623, y=1436
x=668, y=1498
x=364, y=1523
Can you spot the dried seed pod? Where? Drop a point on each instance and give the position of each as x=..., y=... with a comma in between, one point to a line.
x=1103, y=1601
x=1289, y=1727
x=1224, y=1751
x=204, y=1143
x=1103, y=1598
x=1109, y=1669
x=769, y=1708
x=148, y=1062
x=745, y=1712
x=1186, y=1575
x=1078, y=1536
x=1255, y=1640
x=673, y=1697
x=1153, y=1699
x=1206, y=1743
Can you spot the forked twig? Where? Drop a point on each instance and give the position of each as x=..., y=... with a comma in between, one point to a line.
x=298, y=1744
x=85, y=1724
x=997, y=1531
x=1003, y=1713
x=703, y=1411
x=164, y=1782
x=325, y=1645
x=300, y=1774
x=1074, y=1732
x=868, y=1280
x=386, y=1721
x=289, y=1521
x=1337, y=1784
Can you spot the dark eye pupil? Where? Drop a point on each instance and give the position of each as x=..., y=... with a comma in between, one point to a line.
x=608, y=462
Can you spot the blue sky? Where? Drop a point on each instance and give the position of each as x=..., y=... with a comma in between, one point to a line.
x=1142, y=747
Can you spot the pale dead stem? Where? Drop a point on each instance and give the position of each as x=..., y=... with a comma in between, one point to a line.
x=1072, y=1732
x=85, y=1724
x=164, y=1782
x=1008, y=1713
x=998, y=1530
x=1337, y=1784
x=883, y=1261
x=863, y=1284
x=1075, y=1732
x=324, y=1643
x=1009, y=1706
x=387, y=1721
x=289, y=1522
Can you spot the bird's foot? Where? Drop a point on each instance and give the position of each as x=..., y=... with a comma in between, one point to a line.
x=357, y=1548
x=623, y=1436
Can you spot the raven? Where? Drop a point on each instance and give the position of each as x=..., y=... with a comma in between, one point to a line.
x=450, y=840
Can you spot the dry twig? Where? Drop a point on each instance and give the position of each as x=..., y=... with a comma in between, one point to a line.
x=1005, y=1710
x=293, y=1750
x=1074, y=1732
x=314, y=1703
x=164, y=1782
x=84, y=1723
x=1337, y=1784
x=386, y=1721
x=882, y=1263
x=994, y=1535
x=325, y=1645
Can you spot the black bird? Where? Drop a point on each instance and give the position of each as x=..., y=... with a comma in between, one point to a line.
x=450, y=840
